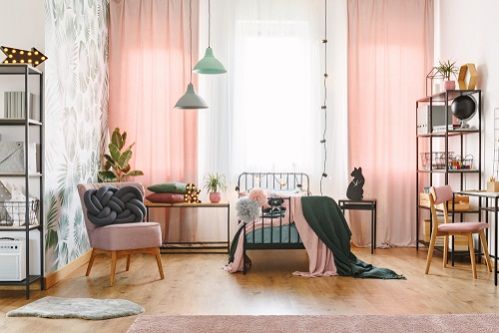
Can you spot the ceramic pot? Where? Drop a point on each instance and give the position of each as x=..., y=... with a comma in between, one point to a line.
x=215, y=197
x=449, y=85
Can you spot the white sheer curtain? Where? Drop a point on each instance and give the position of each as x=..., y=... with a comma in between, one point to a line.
x=265, y=112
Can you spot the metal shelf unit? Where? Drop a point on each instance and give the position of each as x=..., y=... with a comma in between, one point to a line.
x=445, y=98
x=27, y=71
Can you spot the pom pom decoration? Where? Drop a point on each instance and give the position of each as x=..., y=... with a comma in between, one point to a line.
x=247, y=209
x=259, y=195
x=192, y=194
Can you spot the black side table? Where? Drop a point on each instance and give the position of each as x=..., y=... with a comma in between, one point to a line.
x=366, y=204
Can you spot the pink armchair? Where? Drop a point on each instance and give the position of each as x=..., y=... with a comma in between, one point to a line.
x=121, y=240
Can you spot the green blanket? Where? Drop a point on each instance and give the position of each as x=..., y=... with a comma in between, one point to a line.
x=326, y=219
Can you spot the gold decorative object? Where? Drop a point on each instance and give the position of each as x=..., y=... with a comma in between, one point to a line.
x=463, y=73
x=492, y=185
x=192, y=195
x=18, y=56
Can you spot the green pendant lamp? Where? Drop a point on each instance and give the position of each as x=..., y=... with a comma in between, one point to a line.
x=209, y=64
x=191, y=100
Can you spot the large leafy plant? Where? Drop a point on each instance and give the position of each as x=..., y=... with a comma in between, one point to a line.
x=117, y=163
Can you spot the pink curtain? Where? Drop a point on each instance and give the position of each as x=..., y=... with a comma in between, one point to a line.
x=149, y=71
x=390, y=50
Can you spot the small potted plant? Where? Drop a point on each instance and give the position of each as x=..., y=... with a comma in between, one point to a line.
x=448, y=68
x=214, y=182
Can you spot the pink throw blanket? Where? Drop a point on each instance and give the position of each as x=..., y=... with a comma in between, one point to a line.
x=321, y=260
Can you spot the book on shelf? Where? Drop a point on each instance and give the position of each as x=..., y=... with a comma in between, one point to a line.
x=14, y=106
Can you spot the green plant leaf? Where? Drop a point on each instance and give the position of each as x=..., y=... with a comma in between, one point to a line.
x=109, y=158
x=51, y=238
x=107, y=176
x=123, y=139
x=124, y=159
x=115, y=152
x=134, y=173
x=116, y=138
x=213, y=182
x=130, y=147
x=109, y=162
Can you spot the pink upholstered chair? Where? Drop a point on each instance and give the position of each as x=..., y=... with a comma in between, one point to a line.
x=438, y=200
x=120, y=240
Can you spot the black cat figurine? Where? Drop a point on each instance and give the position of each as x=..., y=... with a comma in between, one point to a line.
x=355, y=191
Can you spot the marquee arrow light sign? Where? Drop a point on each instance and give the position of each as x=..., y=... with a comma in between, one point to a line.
x=18, y=56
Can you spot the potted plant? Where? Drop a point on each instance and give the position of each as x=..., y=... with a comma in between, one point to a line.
x=214, y=182
x=116, y=166
x=448, y=68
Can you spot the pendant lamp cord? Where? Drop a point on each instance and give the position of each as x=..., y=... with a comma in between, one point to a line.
x=190, y=37
x=324, y=105
x=209, y=23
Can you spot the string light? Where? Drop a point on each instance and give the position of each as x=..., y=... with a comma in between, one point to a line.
x=324, y=104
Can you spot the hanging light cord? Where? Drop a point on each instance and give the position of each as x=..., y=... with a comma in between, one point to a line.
x=209, y=23
x=324, y=105
x=190, y=37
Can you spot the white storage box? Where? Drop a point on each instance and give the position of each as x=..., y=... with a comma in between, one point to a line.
x=12, y=259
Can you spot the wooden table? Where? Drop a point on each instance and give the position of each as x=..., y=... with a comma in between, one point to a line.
x=494, y=197
x=199, y=246
x=366, y=204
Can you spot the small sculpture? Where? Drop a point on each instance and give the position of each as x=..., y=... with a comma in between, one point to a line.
x=355, y=191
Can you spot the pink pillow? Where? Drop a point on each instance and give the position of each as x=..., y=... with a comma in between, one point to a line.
x=165, y=197
x=260, y=196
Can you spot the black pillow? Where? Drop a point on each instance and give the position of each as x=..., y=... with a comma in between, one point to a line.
x=110, y=205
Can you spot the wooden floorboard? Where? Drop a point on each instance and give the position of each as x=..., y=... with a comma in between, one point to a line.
x=197, y=284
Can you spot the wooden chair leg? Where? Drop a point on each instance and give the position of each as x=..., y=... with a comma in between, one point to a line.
x=472, y=254
x=90, y=263
x=485, y=248
x=160, y=263
x=128, y=262
x=446, y=251
x=430, y=251
x=113, y=267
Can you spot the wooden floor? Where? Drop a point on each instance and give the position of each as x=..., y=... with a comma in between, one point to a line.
x=197, y=284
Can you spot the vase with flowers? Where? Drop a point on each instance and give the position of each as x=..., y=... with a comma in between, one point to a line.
x=214, y=182
x=447, y=69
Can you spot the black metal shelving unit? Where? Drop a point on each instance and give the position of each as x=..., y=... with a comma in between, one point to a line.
x=445, y=99
x=26, y=123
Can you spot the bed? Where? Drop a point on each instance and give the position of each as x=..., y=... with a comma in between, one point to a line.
x=273, y=231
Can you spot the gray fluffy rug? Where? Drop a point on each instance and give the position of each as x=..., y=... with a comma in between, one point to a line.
x=84, y=308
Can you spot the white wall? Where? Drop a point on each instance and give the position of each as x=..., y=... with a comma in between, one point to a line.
x=30, y=33
x=467, y=31
x=22, y=24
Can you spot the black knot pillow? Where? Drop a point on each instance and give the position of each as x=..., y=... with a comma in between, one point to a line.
x=109, y=205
